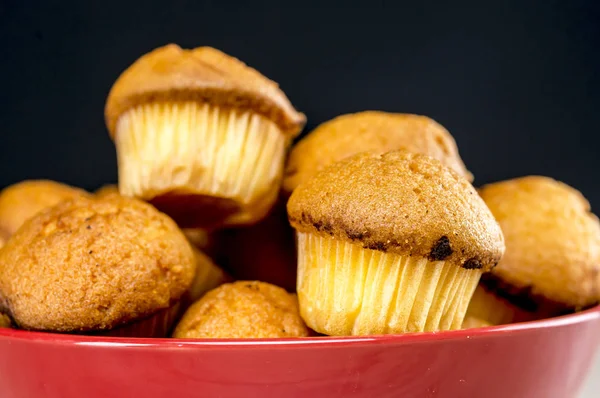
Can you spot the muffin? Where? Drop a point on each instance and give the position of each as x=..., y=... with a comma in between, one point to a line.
x=208, y=276
x=552, y=260
x=200, y=135
x=370, y=131
x=390, y=243
x=243, y=309
x=23, y=200
x=93, y=265
x=265, y=251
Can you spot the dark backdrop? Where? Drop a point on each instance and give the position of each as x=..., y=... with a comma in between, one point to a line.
x=516, y=82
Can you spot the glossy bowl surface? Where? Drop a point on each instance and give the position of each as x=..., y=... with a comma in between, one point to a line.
x=546, y=359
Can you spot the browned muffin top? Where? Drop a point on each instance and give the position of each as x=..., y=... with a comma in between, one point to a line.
x=205, y=74
x=243, y=310
x=93, y=264
x=23, y=200
x=372, y=131
x=552, y=240
x=399, y=202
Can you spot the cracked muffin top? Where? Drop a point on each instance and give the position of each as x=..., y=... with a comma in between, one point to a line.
x=93, y=264
x=400, y=202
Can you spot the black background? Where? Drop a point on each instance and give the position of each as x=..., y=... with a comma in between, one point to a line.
x=516, y=82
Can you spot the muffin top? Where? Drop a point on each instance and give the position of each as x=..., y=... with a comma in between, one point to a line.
x=373, y=131
x=399, y=202
x=205, y=74
x=93, y=264
x=552, y=240
x=23, y=200
x=243, y=309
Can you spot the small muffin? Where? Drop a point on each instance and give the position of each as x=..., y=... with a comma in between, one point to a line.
x=390, y=243
x=200, y=135
x=243, y=309
x=370, y=131
x=265, y=251
x=5, y=321
x=552, y=260
x=21, y=201
x=208, y=276
x=107, y=190
x=96, y=264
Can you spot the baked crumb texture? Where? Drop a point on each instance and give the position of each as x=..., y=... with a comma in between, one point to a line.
x=390, y=243
x=201, y=135
x=243, y=309
x=552, y=259
x=370, y=131
x=21, y=201
x=94, y=264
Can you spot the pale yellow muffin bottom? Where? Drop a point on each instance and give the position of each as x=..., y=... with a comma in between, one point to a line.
x=224, y=162
x=494, y=310
x=344, y=289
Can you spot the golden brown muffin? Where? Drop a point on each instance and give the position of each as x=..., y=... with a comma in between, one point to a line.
x=23, y=200
x=106, y=190
x=243, y=309
x=200, y=135
x=94, y=264
x=265, y=251
x=552, y=260
x=390, y=243
x=370, y=131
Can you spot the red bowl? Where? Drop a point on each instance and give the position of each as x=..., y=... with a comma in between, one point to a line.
x=548, y=358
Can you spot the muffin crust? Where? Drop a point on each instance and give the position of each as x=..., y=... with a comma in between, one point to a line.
x=93, y=264
x=370, y=131
x=23, y=200
x=403, y=203
x=203, y=74
x=243, y=309
x=552, y=243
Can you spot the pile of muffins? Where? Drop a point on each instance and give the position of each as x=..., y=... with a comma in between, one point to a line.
x=221, y=227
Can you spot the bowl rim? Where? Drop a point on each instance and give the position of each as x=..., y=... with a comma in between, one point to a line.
x=589, y=315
